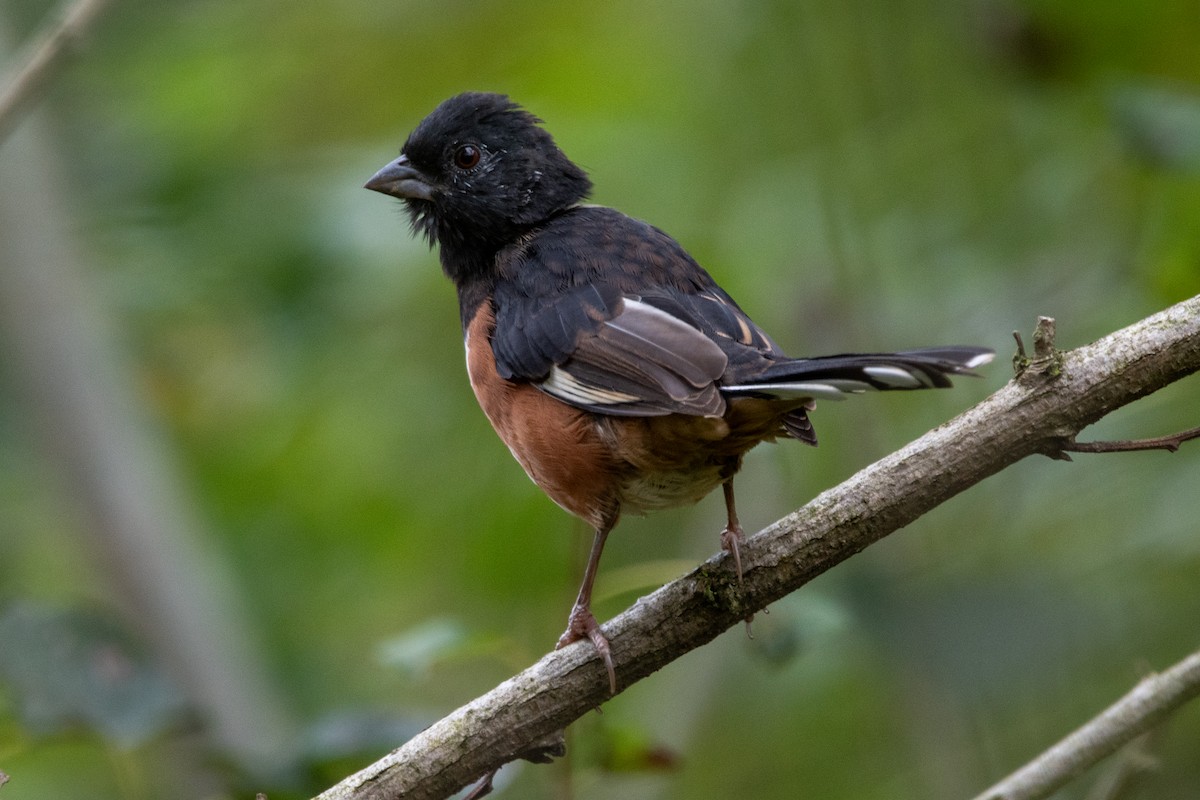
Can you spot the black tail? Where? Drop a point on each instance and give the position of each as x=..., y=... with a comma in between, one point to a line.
x=835, y=377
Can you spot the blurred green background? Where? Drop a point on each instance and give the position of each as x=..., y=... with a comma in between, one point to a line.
x=254, y=531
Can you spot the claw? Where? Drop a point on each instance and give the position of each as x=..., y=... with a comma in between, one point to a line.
x=731, y=539
x=582, y=624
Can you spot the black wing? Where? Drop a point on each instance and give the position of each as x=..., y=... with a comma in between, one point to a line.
x=611, y=314
x=617, y=356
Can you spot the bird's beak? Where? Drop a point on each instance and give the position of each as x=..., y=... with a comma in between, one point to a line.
x=400, y=179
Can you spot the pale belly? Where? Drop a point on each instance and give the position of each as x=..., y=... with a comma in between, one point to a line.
x=653, y=491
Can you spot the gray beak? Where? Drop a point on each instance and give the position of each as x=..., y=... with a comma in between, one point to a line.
x=400, y=179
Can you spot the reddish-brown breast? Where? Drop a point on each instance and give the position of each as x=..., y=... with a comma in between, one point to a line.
x=559, y=445
x=595, y=465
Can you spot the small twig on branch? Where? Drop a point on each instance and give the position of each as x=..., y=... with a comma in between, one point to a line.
x=1150, y=702
x=1130, y=765
x=483, y=788
x=1043, y=338
x=1169, y=443
x=542, y=751
x=1046, y=359
x=36, y=63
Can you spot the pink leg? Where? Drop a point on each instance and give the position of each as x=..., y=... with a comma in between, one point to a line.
x=731, y=539
x=581, y=623
x=732, y=536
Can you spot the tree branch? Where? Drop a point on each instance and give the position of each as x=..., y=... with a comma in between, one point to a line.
x=1151, y=701
x=1047, y=404
x=36, y=63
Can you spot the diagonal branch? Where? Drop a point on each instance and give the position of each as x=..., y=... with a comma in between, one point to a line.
x=1147, y=704
x=36, y=63
x=1049, y=402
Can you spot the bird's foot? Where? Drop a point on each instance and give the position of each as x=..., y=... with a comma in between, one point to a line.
x=582, y=625
x=731, y=540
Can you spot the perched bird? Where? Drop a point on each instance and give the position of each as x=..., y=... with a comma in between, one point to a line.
x=617, y=371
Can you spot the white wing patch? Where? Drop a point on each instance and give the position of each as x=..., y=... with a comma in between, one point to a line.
x=644, y=362
x=897, y=378
x=980, y=360
x=816, y=390
x=561, y=383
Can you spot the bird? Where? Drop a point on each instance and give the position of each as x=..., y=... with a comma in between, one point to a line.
x=620, y=375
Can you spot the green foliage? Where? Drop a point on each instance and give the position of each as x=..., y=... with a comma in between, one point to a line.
x=860, y=175
x=69, y=668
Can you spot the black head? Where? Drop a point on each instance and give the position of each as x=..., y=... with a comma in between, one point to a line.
x=476, y=174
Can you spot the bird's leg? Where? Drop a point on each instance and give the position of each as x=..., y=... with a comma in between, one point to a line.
x=582, y=623
x=731, y=539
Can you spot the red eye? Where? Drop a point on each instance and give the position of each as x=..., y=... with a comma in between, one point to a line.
x=467, y=156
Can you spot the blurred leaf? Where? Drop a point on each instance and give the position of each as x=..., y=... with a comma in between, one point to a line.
x=798, y=624
x=78, y=667
x=346, y=734
x=628, y=748
x=1160, y=124
x=776, y=641
x=420, y=647
x=437, y=641
x=644, y=577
